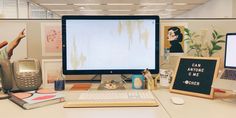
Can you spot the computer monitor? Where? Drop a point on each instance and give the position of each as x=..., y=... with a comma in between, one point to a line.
x=110, y=44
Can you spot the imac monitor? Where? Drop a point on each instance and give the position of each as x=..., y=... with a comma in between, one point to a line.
x=110, y=44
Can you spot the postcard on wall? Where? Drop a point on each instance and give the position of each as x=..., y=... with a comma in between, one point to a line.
x=173, y=37
x=51, y=38
x=51, y=70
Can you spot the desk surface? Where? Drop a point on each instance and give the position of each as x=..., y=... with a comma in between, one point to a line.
x=10, y=110
x=194, y=107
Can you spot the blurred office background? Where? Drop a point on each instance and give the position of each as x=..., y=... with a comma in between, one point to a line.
x=54, y=9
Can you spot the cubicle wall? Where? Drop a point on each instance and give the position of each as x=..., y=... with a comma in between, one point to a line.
x=37, y=29
x=202, y=27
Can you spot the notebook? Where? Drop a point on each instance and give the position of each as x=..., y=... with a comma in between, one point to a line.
x=35, y=99
x=227, y=79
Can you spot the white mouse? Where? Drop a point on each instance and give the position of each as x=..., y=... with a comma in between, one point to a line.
x=177, y=100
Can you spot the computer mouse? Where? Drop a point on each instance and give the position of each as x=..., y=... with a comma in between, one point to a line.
x=177, y=100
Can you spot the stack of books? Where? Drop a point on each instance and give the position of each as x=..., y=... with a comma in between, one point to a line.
x=35, y=99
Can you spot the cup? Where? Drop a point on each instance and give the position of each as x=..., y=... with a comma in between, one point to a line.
x=165, y=77
x=138, y=81
x=59, y=85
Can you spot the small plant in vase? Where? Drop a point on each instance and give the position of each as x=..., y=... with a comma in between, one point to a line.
x=201, y=48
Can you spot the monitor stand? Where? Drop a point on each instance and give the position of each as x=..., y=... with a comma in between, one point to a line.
x=111, y=82
x=116, y=77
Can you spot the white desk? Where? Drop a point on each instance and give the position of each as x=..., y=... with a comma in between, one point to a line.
x=194, y=107
x=10, y=110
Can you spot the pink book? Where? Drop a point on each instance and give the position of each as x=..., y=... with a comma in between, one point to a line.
x=37, y=98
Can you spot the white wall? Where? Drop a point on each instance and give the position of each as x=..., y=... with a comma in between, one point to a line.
x=212, y=9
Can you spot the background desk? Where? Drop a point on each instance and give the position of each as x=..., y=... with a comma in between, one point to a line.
x=194, y=107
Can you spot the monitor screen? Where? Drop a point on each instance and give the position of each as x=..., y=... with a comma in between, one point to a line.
x=110, y=44
x=230, y=50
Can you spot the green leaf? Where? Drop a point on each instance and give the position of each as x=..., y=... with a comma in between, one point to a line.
x=214, y=51
x=214, y=35
x=210, y=53
x=213, y=43
x=220, y=36
x=215, y=32
x=220, y=41
x=216, y=47
x=187, y=31
x=187, y=39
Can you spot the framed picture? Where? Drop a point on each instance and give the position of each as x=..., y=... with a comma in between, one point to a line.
x=51, y=38
x=51, y=70
x=173, y=37
x=195, y=75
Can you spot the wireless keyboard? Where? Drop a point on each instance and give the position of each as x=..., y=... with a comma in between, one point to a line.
x=116, y=98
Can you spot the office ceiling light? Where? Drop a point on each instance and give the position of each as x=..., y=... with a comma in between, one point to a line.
x=120, y=4
x=171, y=9
x=62, y=10
x=90, y=10
x=180, y=4
x=81, y=7
x=38, y=10
x=87, y=4
x=148, y=4
x=148, y=9
x=53, y=4
x=119, y=10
